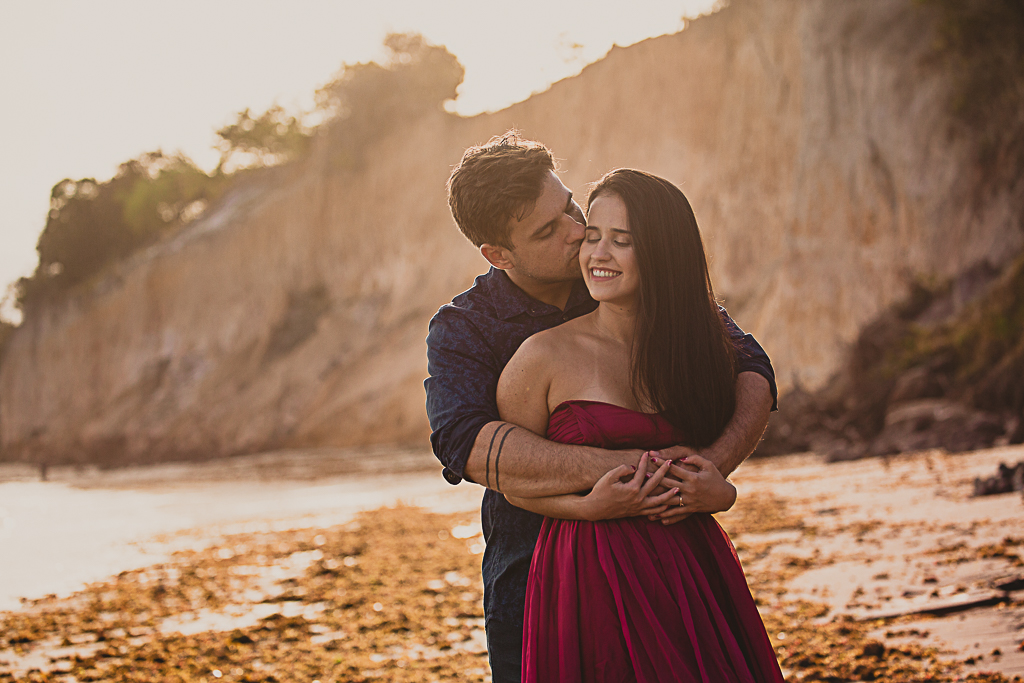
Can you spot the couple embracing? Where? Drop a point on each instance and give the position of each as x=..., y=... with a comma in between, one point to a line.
x=593, y=385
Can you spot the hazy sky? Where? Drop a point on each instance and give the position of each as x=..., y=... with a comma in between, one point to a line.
x=87, y=85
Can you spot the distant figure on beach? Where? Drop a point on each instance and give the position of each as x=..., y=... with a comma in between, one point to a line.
x=507, y=199
x=623, y=598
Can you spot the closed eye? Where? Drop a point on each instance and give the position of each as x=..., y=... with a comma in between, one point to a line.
x=592, y=236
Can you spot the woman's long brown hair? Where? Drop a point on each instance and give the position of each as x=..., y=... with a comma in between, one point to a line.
x=683, y=360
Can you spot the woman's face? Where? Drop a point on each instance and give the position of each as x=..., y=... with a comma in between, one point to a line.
x=606, y=255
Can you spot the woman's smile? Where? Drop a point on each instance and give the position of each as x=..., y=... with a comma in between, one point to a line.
x=603, y=274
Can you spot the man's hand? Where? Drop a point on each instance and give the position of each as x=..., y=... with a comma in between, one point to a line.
x=702, y=488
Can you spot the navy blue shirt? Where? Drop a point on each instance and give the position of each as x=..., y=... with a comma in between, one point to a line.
x=469, y=343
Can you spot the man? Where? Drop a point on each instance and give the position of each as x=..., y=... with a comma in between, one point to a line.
x=508, y=201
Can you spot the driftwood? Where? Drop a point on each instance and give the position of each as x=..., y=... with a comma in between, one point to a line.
x=1009, y=479
x=1001, y=590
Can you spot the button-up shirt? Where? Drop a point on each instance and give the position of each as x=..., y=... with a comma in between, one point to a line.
x=469, y=343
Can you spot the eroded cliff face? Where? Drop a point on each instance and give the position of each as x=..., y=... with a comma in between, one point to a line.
x=812, y=138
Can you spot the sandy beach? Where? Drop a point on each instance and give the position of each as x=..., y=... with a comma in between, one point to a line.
x=316, y=566
x=896, y=543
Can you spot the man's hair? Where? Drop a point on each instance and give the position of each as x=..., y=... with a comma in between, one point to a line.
x=495, y=183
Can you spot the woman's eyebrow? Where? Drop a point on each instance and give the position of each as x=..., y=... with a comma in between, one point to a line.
x=616, y=230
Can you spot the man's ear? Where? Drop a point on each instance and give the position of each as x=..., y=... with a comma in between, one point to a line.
x=497, y=256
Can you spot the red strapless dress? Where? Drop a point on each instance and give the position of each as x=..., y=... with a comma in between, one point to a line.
x=634, y=600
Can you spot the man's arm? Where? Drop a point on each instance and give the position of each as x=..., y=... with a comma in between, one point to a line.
x=745, y=429
x=517, y=462
x=521, y=464
x=750, y=357
x=621, y=492
x=756, y=397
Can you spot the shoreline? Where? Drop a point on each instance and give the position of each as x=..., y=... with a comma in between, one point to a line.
x=309, y=464
x=81, y=527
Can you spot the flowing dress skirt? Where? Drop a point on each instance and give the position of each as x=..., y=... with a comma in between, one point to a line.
x=634, y=600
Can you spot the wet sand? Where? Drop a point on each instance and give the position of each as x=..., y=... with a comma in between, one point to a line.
x=247, y=569
x=84, y=525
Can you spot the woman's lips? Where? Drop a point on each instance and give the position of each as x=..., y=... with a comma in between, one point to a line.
x=603, y=274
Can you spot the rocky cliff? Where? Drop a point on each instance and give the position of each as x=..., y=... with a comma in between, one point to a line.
x=812, y=138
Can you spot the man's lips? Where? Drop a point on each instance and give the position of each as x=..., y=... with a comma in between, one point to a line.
x=603, y=274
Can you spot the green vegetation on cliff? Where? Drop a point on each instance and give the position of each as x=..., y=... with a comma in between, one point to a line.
x=92, y=225
x=942, y=369
x=979, y=355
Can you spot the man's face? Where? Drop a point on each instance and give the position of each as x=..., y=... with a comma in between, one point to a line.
x=546, y=244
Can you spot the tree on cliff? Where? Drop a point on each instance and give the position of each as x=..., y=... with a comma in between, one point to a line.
x=91, y=224
x=272, y=138
x=366, y=101
x=360, y=104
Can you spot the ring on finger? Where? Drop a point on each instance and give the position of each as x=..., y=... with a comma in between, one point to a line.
x=680, y=499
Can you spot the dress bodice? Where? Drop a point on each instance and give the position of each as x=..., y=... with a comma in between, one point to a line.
x=605, y=425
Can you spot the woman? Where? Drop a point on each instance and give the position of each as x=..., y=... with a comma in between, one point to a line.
x=628, y=598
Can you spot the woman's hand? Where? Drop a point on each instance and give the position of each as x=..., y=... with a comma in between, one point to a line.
x=625, y=493
x=701, y=488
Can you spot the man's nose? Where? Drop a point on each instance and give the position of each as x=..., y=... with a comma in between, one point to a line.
x=576, y=229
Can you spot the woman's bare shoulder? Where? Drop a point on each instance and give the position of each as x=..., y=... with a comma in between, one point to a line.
x=539, y=354
x=532, y=357
x=551, y=345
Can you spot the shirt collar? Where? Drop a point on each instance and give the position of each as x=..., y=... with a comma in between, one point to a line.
x=509, y=300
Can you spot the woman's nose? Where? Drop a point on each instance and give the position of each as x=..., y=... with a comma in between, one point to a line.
x=600, y=250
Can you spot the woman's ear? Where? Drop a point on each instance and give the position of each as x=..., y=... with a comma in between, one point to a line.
x=499, y=257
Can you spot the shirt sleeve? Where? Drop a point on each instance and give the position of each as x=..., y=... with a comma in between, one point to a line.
x=461, y=385
x=750, y=357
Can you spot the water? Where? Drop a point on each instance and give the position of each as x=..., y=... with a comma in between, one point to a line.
x=83, y=526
